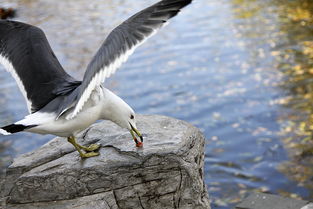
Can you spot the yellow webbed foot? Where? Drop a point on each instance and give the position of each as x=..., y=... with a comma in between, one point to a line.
x=89, y=154
x=89, y=150
x=91, y=147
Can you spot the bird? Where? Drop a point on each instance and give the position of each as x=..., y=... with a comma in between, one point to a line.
x=61, y=105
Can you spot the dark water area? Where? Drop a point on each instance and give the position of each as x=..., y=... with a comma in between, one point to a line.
x=240, y=70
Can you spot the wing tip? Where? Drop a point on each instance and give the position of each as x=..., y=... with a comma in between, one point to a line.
x=14, y=128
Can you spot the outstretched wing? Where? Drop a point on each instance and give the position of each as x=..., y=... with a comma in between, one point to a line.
x=27, y=55
x=121, y=43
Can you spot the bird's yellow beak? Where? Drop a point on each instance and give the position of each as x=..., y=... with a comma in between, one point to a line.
x=134, y=131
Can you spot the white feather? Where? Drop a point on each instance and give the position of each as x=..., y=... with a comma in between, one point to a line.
x=4, y=132
x=9, y=68
x=36, y=118
x=102, y=75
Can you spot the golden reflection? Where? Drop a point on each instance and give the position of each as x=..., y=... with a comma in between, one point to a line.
x=245, y=9
x=295, y=61
x=292, y=34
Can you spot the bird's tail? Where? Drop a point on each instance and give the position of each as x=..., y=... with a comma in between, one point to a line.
x=13, y=128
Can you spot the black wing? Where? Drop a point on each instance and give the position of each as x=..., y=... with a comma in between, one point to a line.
x=27, y=55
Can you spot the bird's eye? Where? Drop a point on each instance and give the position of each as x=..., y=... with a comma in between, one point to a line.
x=131, y=116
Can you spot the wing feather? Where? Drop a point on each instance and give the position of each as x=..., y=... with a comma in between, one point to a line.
x=122, y=42
x=27, y=55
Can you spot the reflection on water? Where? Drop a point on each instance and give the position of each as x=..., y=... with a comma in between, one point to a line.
x=295, y=60
x=240, y=70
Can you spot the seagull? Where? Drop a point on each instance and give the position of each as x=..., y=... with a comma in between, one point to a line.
x=57, y=103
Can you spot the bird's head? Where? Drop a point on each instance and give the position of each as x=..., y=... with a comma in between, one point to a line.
x=122, y=114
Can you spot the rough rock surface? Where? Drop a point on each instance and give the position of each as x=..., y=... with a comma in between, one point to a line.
x=167, y=173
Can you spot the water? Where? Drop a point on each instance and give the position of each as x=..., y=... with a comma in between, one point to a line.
x=222, y=65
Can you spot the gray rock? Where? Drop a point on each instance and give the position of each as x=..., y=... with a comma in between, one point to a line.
x=166, y=173
x=270, y=201
x=308, y=206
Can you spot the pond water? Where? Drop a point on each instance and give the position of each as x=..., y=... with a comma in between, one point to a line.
x=240, y=70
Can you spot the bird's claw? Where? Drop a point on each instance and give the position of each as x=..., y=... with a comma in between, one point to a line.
x=89, y=150
x=89, y=154
x=92, y=147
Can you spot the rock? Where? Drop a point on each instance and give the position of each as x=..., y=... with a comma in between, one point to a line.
x=166, y=173
x=266, y=201
x=308, y=206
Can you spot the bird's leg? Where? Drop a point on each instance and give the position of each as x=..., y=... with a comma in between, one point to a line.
x=78, y=147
